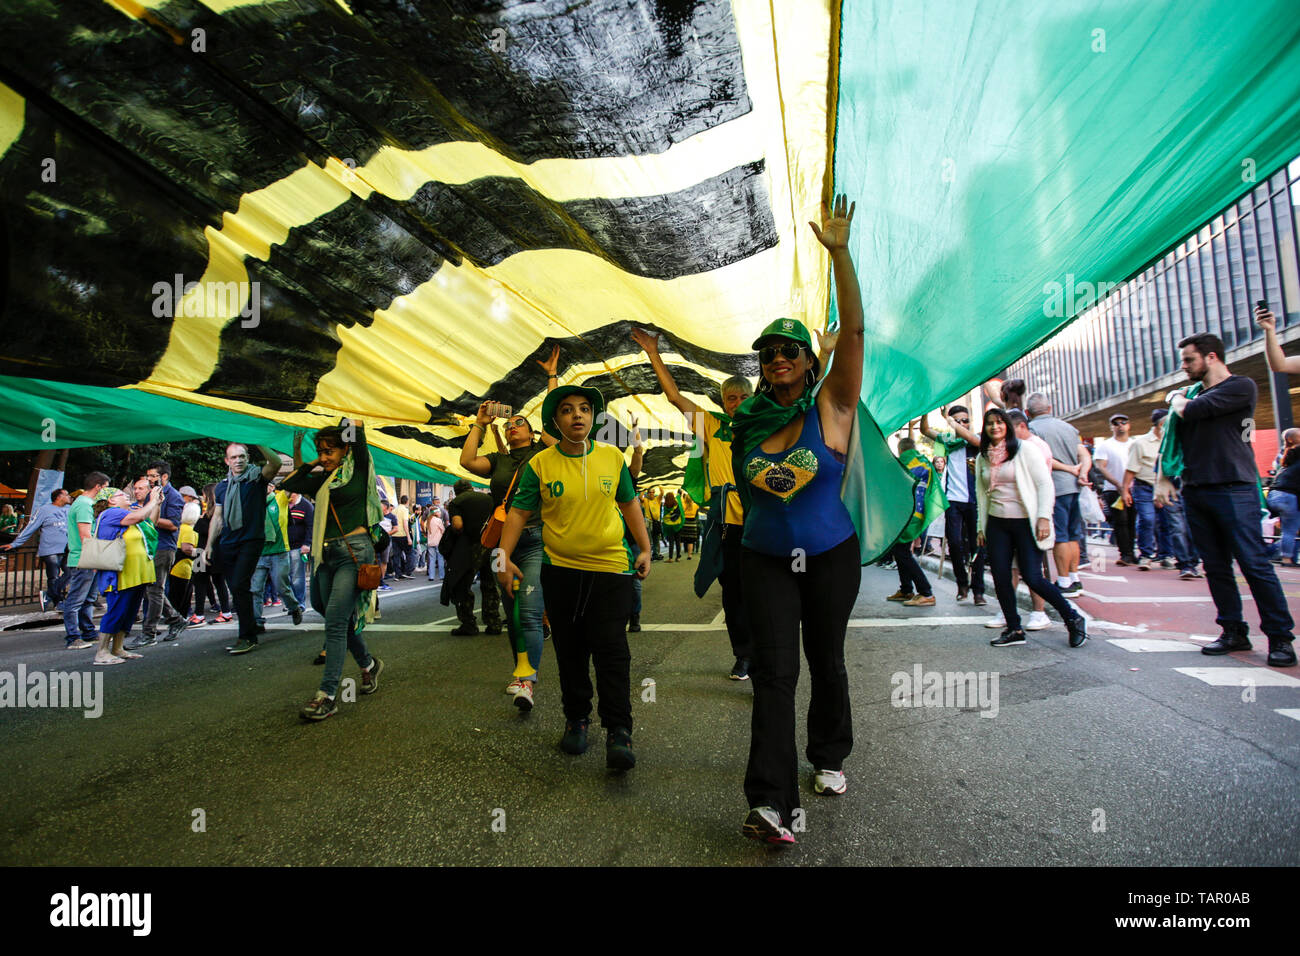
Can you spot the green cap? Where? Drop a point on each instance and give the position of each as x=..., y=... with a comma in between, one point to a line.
x=552, y=402
x=791, y=329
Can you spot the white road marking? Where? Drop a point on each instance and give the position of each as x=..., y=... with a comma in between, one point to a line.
x=1112, y=626
x=1235, y=676
x=1145, y=644
x=1291, y=712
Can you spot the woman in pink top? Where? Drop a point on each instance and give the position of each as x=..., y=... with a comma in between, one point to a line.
x=433, y=530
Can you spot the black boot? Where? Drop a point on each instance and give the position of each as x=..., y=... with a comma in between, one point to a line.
x=1233, y=638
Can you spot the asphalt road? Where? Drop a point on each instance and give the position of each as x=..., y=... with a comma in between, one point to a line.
x=1096, y=756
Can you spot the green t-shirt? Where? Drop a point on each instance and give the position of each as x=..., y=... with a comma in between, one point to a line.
x=82, y=511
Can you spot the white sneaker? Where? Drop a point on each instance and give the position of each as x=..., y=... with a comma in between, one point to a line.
x=830, y=781
x=998, y=622
x=513, y=687
x=1036, y=621
x=524, y=698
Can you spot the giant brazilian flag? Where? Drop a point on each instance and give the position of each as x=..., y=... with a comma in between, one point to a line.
x=235, y=217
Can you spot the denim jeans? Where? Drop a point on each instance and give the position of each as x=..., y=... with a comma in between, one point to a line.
x=298, y=574
x=1173, y=519
x=55, y=575
x=528, y=559
x=1144, y=503
x=334, y=596
x=437, y=563
x=79, y=605
x=1225, y=525
x=1288, y=509
x=273, y=567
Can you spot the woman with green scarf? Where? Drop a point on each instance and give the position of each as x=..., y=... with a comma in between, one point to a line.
x=342, y=482
x=800, y=551
x=114, y=518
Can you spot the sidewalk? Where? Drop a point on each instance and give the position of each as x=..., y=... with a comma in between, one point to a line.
x=1153, y=605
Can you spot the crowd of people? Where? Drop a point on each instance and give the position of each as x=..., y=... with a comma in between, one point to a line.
x=561, y=540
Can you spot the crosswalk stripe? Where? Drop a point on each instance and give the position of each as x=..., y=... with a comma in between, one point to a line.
x=1147, y=644
x=1292, y=712
x=1234, y=676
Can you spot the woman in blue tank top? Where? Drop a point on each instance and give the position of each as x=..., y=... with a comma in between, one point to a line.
x=800, y=557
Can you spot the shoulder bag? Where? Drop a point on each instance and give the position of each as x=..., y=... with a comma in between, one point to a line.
x=492, y=528
x=103, y=554
x=369, y=576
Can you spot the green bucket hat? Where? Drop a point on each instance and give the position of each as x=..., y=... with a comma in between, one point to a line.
x=552, y=402
x=791, y=329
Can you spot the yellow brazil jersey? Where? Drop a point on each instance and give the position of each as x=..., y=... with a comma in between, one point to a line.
x=689, y=508
x=717, y=444
x=184, y=564
x=653, y=506
x=582, y=527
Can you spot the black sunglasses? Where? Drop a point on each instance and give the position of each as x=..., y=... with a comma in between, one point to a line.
x=789, y=350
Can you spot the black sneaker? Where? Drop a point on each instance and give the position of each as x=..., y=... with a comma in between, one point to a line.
x=319, y=658
x=142, y=641
x=618, y=750
x=494, y=631
x=1280, y=653
x=741, y=670
x=370, y=678
x=1074, y=590
x=243, y=647
x=319, y=707
x=465, y=630
x=1008, y=638
x=574, y=740
x=634, y=623
x=1077, y=627
x=174, y=629
x=1227, y=642
x=297, y=616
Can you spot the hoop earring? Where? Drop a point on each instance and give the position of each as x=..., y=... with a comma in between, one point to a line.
x=810, y=378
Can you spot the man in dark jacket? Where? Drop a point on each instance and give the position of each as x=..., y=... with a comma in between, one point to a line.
x=469, y=511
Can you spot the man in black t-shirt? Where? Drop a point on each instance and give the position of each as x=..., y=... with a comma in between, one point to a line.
x=1221, y=491
x=469, y=511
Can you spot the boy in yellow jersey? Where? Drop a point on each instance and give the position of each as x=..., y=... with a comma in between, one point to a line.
x=580, y=487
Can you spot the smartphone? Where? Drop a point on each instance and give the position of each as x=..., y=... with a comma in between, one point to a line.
x=1262, y=304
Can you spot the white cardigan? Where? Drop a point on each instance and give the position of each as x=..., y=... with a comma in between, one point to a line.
x=1033, y=485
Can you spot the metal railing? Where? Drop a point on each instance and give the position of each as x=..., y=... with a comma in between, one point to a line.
x=22, y=575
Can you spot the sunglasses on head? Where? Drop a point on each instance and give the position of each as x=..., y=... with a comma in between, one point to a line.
x=789, y=350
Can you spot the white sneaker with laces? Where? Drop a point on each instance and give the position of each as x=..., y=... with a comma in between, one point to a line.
x=1036, y=621
x=513, y=687
x=998, y=622
x=830, y=781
